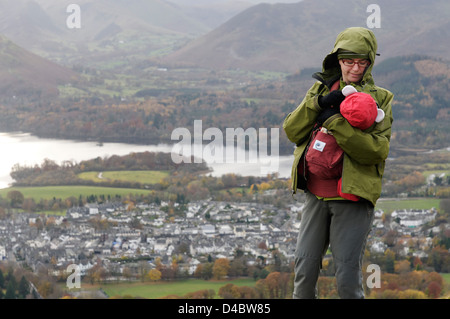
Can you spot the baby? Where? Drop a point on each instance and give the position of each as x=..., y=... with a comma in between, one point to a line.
x=361, y=111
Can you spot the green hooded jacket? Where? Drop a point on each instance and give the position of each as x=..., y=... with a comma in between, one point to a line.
x=365, y=151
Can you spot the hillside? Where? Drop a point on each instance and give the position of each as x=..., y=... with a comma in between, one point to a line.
x=110, y=29
x=23, y=73
x=289, y=37
x=420, y=106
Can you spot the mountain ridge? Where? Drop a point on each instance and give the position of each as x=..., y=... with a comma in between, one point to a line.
x=288, y=37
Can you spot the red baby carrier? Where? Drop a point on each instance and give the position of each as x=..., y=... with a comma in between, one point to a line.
x=324, y=161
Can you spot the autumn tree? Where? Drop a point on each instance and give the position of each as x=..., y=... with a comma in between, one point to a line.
x=402, y=266
x=273, y=283
x=154, y=275
x=439, y=259
x=262, y=289
x=412, y=294
x=201, y=294
x=411, y=181
x=229, y=291
x=326, y=287
x=221, y=268
x=45, y=288
x=97, y=273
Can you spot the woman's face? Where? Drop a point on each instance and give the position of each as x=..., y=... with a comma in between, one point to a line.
x=353, y=69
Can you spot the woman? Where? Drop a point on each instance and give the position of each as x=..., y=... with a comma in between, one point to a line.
x=327, y=218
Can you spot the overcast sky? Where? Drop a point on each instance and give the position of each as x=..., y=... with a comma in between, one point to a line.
x=193, y=2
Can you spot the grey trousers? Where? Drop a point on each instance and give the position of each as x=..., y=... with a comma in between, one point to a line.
x=343, y=225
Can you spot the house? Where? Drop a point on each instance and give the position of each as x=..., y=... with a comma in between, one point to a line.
x=160, y=245
x=208, y=229
x=378, y=246
x=414, y=218
x=225, y=230
x=239, y=231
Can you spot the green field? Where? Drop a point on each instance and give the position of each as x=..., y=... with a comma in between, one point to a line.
x=161, y=289
x=389, y=206
x=63, y=192
x=446, y=278
x=143, y=177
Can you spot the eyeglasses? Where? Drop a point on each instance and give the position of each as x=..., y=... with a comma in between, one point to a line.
x=361, y=64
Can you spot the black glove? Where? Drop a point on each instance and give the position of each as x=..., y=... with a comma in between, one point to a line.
x=334, y=98
x=325, y=114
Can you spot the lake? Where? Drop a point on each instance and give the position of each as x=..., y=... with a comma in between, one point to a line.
x=26, y=149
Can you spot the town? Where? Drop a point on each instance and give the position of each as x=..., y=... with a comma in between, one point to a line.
x=127, y=240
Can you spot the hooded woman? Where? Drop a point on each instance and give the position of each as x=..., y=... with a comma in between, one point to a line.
x=327, y=218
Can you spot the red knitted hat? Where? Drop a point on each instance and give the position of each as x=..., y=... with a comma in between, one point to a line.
x=360, y=110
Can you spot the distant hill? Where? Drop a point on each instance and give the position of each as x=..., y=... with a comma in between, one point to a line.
x=23, y=73
x=41, y=24
x=215, y=12
x=420, y=84
x=289, y=37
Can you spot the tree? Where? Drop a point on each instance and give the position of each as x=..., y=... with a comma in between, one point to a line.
x=10, y=291
x=45, y=288
x=439, y=259
x=154, y=275
x=237, y=267
x=402, y=266
x=273, y=283
x=326, y=287
x=201, y=294
x=389, y=261
x=434, y=289
x=221, y=268
x=207, y=271
x=262, y=289
x=412, y=294
x=229, y=291
x=16, y=198
x=2, y=280
x=24, y=288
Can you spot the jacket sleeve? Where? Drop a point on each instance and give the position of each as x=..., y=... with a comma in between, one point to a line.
x=368, y=147
x=299, y=123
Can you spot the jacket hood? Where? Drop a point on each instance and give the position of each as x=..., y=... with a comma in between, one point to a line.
x=356, y=39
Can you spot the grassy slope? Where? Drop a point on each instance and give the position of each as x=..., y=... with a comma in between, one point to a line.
x=162, y=289
x=48, y=192
x=144, y=177
x=389, y=206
